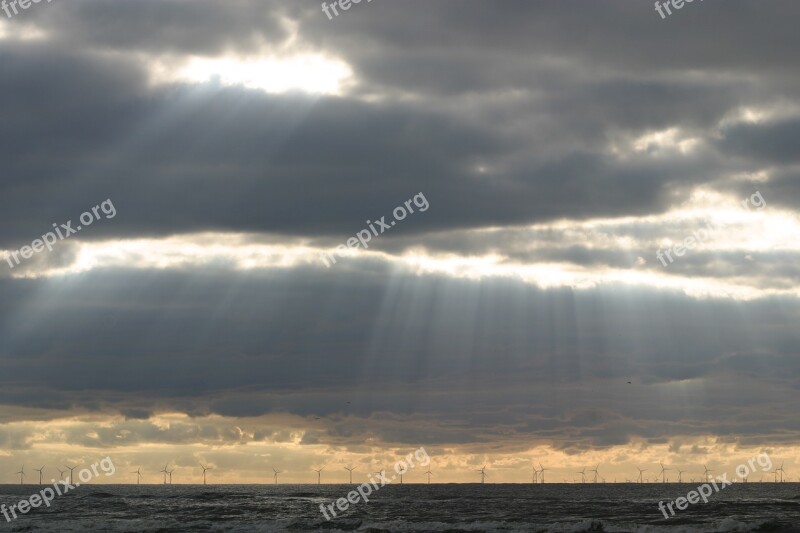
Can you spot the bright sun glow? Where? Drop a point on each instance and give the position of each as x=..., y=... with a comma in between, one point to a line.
x=669, y=139
x=315, y=74
x=730, y=228
x=10, y=31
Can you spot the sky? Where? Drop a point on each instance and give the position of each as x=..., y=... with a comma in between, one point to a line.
x=587, y=251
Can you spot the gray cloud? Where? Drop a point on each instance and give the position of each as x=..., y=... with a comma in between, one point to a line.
x=529, y=113
x=199, y=158
x=280, y=344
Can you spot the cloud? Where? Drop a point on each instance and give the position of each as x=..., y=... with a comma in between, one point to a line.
x=512, y=314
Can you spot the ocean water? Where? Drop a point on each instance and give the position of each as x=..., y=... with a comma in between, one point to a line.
x=408, y=508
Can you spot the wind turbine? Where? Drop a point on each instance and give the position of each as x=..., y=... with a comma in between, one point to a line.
x=541, y=479
x=138, y=474
x=71, y=468
x=781, y=471
x=276, y=474
x=680, y=475
x=165, y=473
x=401, y=472
x=706, y=472
x=40, y=470
x=170, y=475
x=319, y=474
x=22, y=475
x=583, y=475
x=350, y=469
x=595, y=472
x=204, y=472
x=483, y=473
x=535, y=474
x=640, y=473
x=61, y=473
x=663, y=475
x=429, y=475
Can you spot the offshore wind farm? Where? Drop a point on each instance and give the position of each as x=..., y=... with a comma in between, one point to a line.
x=506, y=475
x=406, y=489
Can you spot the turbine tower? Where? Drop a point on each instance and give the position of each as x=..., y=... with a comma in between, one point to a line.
x=170, y=475
x=61, y=473
x=680, y=475
x=541, y=471
x=22, y=475
x=483, y=473
x=204, y=472
x=319, y=475
x=583, y=475
x=429, y=473
x=276, y=474
x=595, y=472
x=535, y=474
x=71, y=468
x=350, y=469
x=781, y=471
x=663, y=475
x=40, y=470
x=165, y=472
x=138, y=474
x=706, y=472
x=640, y=473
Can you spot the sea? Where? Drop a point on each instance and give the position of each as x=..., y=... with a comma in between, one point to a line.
x=450, y=508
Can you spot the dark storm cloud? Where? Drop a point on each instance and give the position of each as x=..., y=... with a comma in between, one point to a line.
x=154, y=26
x=239, y=160
x=786, y=187
x=205, y=158
x=774, y=142
x=453, y=47
x=281, y=343
x=547, y=97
